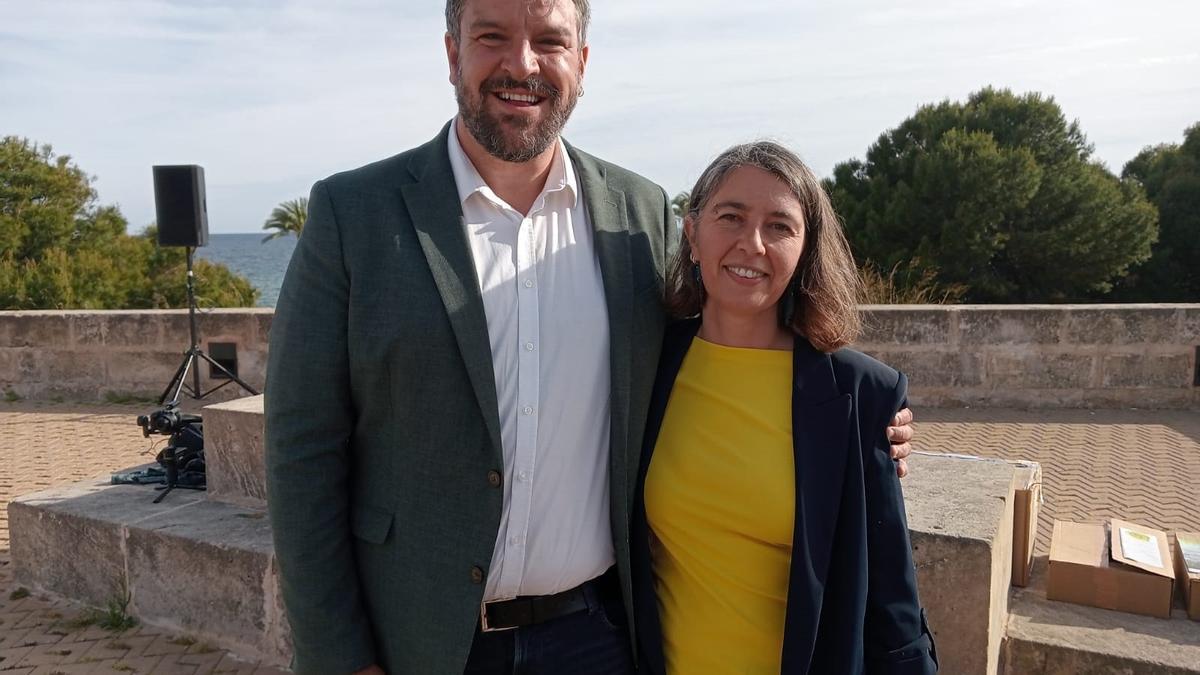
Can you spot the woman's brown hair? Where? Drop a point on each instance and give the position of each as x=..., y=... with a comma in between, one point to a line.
x=821, y=302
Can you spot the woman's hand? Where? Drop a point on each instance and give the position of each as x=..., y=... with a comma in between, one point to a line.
x=901, y=433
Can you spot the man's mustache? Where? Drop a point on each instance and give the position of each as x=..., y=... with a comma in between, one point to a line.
x=534, y=85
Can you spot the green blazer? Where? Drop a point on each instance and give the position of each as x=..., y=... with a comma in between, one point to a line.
x=382, y=428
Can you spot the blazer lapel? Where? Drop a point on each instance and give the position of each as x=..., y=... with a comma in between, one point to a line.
x=610, y=232
x=436, y=212
x=820, y=438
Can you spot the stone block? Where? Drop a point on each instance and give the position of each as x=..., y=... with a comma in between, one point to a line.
x=1121, y=325
x=19, y=366
x=1148, y=371
x=189, y=564
x=1189, y=324
x=234, y=450
x=142, y=370
x=83, y=370
x=263, y=326
x=1060, y=638
x=994, y=325
x=89, y=329
x=252, y=366
x=936, y=369
x=142, y=331
x=277, y=638
x=68, y=540
x=960, y=521
x=41, y=330
x=906, y=326
x=1032, y=369
x=228, y=326
x=203, y=568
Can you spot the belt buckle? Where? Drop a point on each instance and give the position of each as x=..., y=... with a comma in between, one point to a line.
x=484, y=626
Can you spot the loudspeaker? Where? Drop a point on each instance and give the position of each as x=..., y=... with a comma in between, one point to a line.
x=180, y=206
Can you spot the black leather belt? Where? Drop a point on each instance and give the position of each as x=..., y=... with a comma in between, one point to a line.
x=533, y=609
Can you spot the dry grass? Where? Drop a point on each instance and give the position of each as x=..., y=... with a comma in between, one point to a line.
x=907, y=284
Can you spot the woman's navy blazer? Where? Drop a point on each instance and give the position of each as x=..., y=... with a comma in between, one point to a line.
x=852, y=604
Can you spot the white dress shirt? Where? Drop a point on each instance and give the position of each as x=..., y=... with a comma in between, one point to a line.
x=548, y=327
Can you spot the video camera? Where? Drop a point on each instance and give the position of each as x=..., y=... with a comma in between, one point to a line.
x=183, y=458
x=166, y=421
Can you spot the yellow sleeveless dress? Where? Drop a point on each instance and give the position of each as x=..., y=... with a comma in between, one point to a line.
x=720, y=500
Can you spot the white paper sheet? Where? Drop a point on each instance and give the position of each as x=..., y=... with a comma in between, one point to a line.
x=1191, y=552
x=1140, y=547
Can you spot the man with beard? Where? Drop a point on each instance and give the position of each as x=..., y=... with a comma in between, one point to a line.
x=460, y=364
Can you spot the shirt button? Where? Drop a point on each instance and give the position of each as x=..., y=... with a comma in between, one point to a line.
x=514, y=540
x=523, y=476
x=477, y=575
x=528, y=346
x=494, y=478
x=529, y=283
x=528, y=410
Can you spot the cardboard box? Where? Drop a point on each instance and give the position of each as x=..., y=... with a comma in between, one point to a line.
x=1187, y=571
x=1123, y=566
x=1027, y=502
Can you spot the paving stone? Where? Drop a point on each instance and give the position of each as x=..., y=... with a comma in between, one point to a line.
x=9, y=658
x=50, y=653
x=134, y=665
x=64, y=669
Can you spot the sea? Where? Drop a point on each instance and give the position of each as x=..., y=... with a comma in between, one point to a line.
x=263, y=263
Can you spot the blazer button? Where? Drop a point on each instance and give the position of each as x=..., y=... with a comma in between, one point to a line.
x=477, y=575
x=494, y=478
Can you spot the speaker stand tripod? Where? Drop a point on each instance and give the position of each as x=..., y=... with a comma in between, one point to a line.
x=178, y=383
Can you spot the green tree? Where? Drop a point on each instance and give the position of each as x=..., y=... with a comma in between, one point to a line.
x=998, y=195
x=287, y=218
x=1170, y=175
x=61, y=249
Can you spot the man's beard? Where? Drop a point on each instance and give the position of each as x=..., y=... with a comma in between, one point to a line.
x=532, y=138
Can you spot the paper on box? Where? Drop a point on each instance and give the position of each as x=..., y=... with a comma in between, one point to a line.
x=1187, y=571
x=1089, y=566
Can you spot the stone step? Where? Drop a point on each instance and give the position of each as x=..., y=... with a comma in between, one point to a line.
x=204, y=566
x=959, y=511
x=1060, y=638
x=190, y=564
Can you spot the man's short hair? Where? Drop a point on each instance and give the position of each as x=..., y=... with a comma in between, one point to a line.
x=454, y=12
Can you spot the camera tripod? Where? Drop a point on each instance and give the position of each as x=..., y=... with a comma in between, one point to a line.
x=171, y=463
x=178, y=383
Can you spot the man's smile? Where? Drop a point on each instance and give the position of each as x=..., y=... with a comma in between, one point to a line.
x=518, y=99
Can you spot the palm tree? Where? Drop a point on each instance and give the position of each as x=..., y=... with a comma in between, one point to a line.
x=679, y=206
x=287, y=218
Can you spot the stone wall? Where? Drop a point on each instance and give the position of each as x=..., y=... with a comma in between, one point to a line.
x=1061, y=356
x=88, y=355
x=1000, y=355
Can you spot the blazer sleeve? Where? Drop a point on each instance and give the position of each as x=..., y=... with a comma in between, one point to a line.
x=309, y=421
x=896, y=635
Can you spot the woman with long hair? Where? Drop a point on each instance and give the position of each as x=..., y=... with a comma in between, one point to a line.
x=770, y=533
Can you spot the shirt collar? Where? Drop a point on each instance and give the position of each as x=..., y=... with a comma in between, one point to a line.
x=469, y=182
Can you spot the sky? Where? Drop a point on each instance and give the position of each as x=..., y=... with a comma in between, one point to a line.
x=272, y=95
